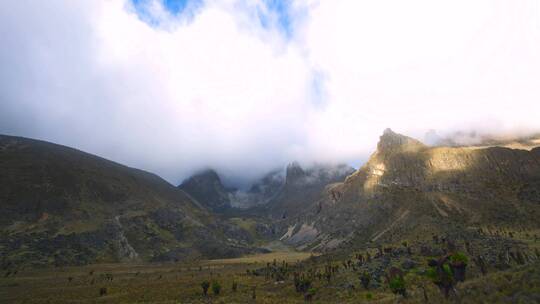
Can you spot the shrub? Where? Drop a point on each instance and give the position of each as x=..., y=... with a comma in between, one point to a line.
x=396, y=282
x=365, y=278
x=458, y=264
x=205, y=285
x=459, y=257
x=308, y=296
x=234, y=286
x=216, y=287
x=302, y=285
x=441, y=275
x=397, y=285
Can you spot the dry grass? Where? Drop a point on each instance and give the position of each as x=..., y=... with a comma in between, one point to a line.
x=180, y=283
x=265, y=258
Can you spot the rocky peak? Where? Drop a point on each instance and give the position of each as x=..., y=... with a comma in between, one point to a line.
x=207, y=189
x=206, y=176
x=294, y=172
x=391, y=141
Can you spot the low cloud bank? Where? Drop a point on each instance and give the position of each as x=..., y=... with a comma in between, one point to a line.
x=229, y=85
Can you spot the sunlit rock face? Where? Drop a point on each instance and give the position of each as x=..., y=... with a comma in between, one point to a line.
x=407, y=188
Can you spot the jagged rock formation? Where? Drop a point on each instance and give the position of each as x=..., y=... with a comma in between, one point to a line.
x=302, y=187
x=207, y=189
x=280, y=193
x=407, y=189
x=63, y=206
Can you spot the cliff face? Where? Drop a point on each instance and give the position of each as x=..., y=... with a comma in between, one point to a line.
x=407, y=188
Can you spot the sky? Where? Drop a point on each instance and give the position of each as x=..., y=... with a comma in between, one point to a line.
x=176, y=86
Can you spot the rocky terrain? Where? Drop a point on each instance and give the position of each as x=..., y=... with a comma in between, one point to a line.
x=277, y=195
x=408, y=190
x=62, y=206
x=415, y=224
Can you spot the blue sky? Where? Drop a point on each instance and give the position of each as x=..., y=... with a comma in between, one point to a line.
x=282, y=10
x=271, y=14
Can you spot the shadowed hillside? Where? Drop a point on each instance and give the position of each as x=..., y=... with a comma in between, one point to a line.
x=63, y=206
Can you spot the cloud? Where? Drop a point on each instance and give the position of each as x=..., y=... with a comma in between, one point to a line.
x=245, y=86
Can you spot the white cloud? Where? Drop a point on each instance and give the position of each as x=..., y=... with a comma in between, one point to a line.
x=220, y=90
x=415, y=65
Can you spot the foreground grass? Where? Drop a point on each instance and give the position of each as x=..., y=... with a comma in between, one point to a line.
x=180, y=283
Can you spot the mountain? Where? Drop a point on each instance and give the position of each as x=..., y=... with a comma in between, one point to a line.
x=207, y=189
x=408, y=190
x=63, y=206
x=279, y=194
x=302, y=187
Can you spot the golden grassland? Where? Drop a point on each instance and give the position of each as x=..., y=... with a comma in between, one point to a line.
x=287, y=256
x=180, y=283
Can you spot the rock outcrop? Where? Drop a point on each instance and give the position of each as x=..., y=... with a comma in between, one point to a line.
x=407, y=189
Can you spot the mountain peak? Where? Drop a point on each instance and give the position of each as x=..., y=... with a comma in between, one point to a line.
x=391, y=140
x=294, y=170
x=207, y=189
x=207, y=174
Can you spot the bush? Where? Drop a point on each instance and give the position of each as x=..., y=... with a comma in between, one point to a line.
x=365, y=278
x=459, y=257
x=302, y=285
x=441, y=274
x=308, y=296
x=205, y=285
x=397, y=285
x=216, y=287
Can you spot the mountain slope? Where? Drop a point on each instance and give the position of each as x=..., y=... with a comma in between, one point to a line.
x=207, y=189
x=63, y=206
x=409, y=190
x=302, y=188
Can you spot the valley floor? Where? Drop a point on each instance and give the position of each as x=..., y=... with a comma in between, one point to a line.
x=181, y=282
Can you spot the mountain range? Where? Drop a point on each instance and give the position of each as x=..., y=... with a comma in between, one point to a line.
x=62, y=206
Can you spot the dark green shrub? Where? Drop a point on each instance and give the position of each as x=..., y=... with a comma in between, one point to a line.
x=396, y=282
x=459, y=257
x=216, y=287
x=302, y=285
x=308, y=296
x=365, y=278
x=205, y=285
x=397, y=285
x=441, y=275
x=458, y=264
